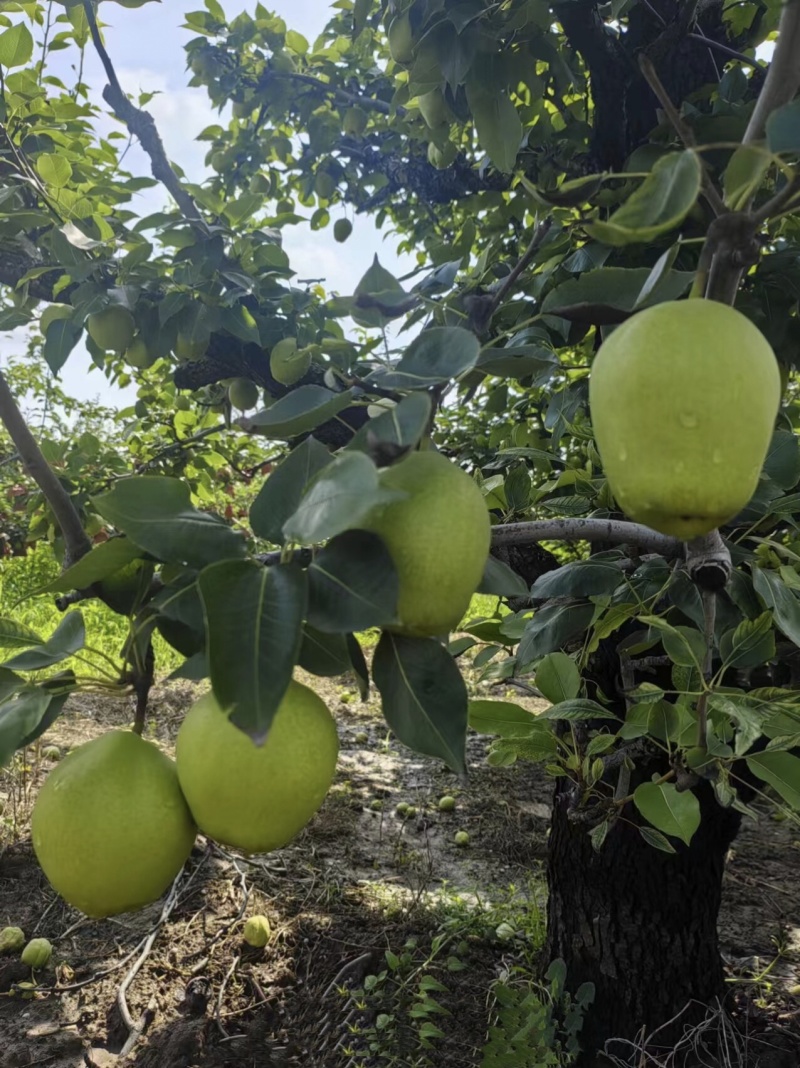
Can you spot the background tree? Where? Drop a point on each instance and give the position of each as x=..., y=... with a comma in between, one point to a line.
x=554, y=168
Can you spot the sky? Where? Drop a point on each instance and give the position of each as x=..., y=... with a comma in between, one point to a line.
x=146, y=47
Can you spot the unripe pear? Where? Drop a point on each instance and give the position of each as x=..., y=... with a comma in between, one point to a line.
x=112, y=328
x=53, y=312
x=137, y=354
x=187, y=349
x=257, y=931
x=287, y=363
x=37, y=953
x=342, y=229
x=433, y=108
x=243, y=394
x=437, y=535
x=354, y=122
x=12, y=939
x=401, y=39
x=683, y=400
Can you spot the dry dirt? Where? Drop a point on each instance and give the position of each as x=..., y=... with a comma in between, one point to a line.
x=360, y=880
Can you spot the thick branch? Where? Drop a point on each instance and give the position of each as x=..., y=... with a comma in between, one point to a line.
x=783, y=76
x=616, y=531
x=76, y=542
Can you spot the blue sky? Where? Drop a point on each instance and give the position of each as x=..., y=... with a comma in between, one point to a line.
x=146, y=46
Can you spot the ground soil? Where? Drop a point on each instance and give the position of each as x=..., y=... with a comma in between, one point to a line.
x=359, y=881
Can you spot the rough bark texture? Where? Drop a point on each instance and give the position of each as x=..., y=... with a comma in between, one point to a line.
x=638, y=923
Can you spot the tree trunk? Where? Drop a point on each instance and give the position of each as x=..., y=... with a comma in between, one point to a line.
x=639, y=923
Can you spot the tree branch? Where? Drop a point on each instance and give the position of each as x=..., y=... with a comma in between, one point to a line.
x=616, y=531
x=783, y=76
x=141, y=125
x=76, y=541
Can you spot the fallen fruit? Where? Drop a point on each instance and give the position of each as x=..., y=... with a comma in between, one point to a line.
x=12, y=939
x=257, y=797
x=37, y=953
x=438, y=537
x=461, y=838
x=112, y=328
x=110, y=826
x=257, y=931
x=683, y=400
x=362, y=737
x=51, y=752
x=447, y=803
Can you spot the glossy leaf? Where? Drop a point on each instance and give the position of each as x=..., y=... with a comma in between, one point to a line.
x=578, y=709
x=500, y=580
x=67, y=639
x=157, y=514
x=283, y=489
x=424, y=697
x=352, y=584
x=300, y=411
x=344, y=492
x=674, y=813
x=774, y=595
x=435, y=356
x=254, y=630
x=503, y=718
x=781, y=771
x=15, y=635
x=660, y=203
x=551, y=628
x=323, y=654
x=104, y=560
x=558, y=678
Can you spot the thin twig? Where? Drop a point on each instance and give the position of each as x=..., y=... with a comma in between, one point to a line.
x=539, y=235
x=684, y=131
x=726, y=50
x=221, y=994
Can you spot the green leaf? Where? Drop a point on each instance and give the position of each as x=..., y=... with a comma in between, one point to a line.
x=782, y=464
x=321, y=654
x=502, y=717
x=660, y=203
x=14, y=635
x=774, y=595
x=359, y=665
x=617, y=288
x=748, y=720
x=300, y=411
x=435, y=356
x=102, y=561
x=744, y=174
x=551, y=628
x=341, y=495
x=16, y=46
x=424, y=697
x=66, y=640
x=54, y=169
x=558, y=678
x=352, y=584
x=283, y=489
x=781, y=771
x=376, y=282
x=684, y=646
x=20, y=715
x=254, y=620
x=589, y=578
x=578, y=709
x=402, y=425
x=749, y=644
x=499, y=580
x=497, y=123
x=673, y=813
x=656, y=839
x=60, y=339
x=783, y=129
x=156, y=512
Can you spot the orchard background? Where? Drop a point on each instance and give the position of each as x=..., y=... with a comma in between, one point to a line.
x=545, y=171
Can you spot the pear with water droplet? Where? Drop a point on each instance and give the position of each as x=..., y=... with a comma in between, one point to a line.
x=683, y=399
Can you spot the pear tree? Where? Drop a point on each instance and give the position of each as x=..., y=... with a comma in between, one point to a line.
x=562, y=173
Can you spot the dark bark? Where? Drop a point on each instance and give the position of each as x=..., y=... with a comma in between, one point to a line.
x=639, y=923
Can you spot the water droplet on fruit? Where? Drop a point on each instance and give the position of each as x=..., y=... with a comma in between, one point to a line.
x=688, y=420
x=623, y=454
x=716, y=456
